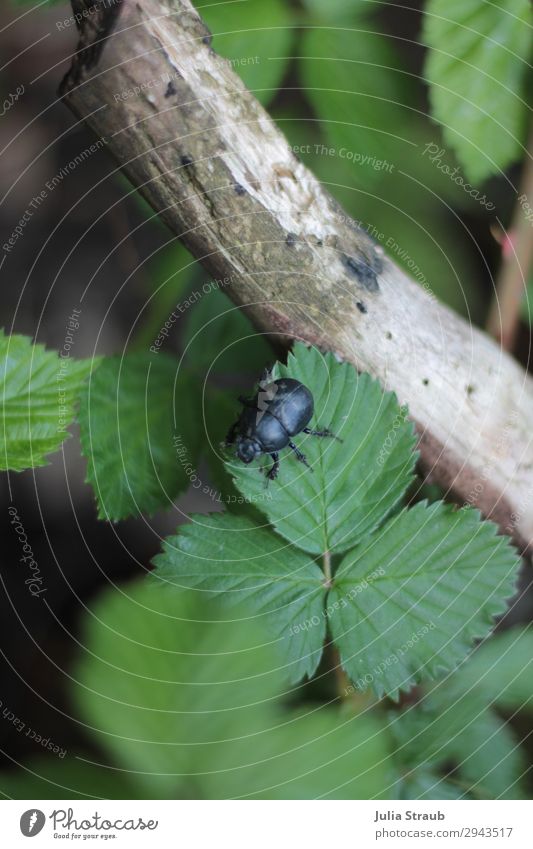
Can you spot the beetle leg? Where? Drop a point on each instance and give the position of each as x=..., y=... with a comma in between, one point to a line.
x=299, y=454
x=273, y=473
x=230, y=437
x=247, y=402
x=324, y=432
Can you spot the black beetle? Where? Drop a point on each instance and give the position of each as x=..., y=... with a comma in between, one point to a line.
x=280, y=409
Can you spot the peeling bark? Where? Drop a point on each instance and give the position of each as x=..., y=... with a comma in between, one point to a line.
x=213, y=165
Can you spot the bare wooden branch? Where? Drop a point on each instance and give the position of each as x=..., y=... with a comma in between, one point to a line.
x=209, y=159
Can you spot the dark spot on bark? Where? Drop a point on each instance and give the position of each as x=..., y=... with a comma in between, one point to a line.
x=365, y=272
x=469, y=389
x=377, y=263
x=361, y=307
x=207, y=39
x=319, y=243
x=425, y=381
x=388, y=335
x=290, y=240
x=239, y=190
x=186, y=160
x=171, y=89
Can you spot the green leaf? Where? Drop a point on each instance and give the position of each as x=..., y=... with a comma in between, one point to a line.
x=138, y=432
x=72, y=778
x=38, y=393
x=425, y=784
x=490, y=758
x=404, y=605
x=354, y=484
x=476, y=67
x=307, y=756
x=219, y=338
x=186, y=702
x=444, y=575
x=255, y=37
x=501, y=670
x=226, y=555
x=361, y=94
x=335, y=11
x=444, y=733
x=165, y=677
x=172, y=276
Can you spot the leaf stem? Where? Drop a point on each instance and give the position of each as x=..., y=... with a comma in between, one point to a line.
x=326, y=559
x=343, y=684
x=352, y=698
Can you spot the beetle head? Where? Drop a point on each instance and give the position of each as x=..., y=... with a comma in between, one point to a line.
x=247, y=449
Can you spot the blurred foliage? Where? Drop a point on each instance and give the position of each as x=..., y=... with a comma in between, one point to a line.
x=171, y=275
x=456, y=728
x=357, y=85
x=185, y=702
x=478, y=72
x=188, y=702
x=219, y=338
x=256, y=37
x=452, y=749
x=215, y=336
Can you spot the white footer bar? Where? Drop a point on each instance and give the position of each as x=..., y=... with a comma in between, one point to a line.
x=268, y=824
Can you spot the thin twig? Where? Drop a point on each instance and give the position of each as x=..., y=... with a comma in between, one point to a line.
x=517, y=258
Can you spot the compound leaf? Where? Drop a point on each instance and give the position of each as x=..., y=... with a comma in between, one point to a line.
x=355, y=483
